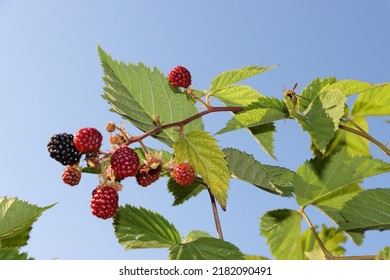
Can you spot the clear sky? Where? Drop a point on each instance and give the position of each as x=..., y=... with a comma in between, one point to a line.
x=50, y=82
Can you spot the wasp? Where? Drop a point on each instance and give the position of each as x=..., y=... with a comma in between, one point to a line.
x=292, y=95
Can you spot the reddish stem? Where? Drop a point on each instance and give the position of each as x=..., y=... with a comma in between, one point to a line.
x=183, y=122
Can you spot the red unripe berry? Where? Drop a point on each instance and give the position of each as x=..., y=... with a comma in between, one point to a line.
x=183, y=174
x=146, y=176
x=180, y=77
x=104, y=202
x=124, y=162
x=71, y=176
x=88, y=140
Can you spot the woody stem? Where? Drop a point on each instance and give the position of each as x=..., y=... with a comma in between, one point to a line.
x=183, y=122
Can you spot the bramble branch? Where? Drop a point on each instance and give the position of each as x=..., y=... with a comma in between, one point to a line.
x=183, y=122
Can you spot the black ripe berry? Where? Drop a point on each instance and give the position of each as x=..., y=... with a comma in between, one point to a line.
x=62, y=149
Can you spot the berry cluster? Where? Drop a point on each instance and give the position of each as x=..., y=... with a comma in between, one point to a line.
x=68, y=149
x=120, y=163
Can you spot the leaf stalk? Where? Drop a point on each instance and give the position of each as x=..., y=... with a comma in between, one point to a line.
x=367, y=136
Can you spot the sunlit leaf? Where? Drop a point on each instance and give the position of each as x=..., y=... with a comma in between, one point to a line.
x=373, y=102
x=233, y=76
x=237, y=95
x=345, y=141
x=310, y=92
x=196, y=234
x=350, y=87
x=200, y=149
x=255, y=258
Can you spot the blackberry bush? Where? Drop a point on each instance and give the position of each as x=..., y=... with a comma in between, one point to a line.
x=166, y=108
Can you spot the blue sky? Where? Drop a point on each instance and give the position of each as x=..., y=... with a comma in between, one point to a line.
x=50, y=79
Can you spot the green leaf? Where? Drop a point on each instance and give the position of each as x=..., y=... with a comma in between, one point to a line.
x=329, y=237
x=319, y=178
x=139, y=93
x=240, y=95
x=255, y=258
x=281, y=228
x=237, y=95
x=369, y=210
x=198, y=247
x=141, y=228
x=266, y=110
x=350, y=87
x=384, y=254
x=13, y=254
x=322, y=116
x=196, y=234
x=16, y=220
x=184, y=193
x=264, y=135
x=91, y=170
x=273, y=179
x=233, y=76
x=348, y=142
x=201, y=150
x=375, y=102
x=332, y=204
x=311, y=91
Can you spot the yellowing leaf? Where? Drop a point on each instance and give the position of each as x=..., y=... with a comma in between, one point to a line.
x=237, y=95
x=348, y=142
x=201, y=150
x=350, y=87
x=375, y=102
